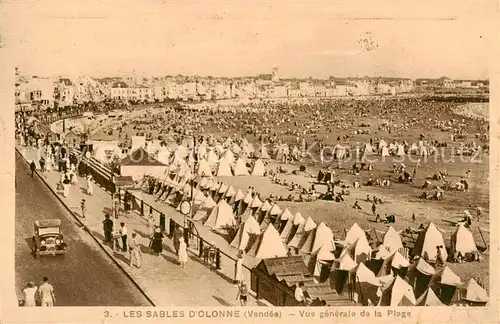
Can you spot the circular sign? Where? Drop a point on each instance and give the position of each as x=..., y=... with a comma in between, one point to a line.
x=185, y=207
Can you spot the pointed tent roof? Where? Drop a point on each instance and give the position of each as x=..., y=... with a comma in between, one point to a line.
x=298, y=219
x=344, y=262
x=270, y=245
x=266, y=206
x=229, y=156
x=429, y=298
x=230, y=192
x=250, y=226
x=240, y=168
x=204, y=168
x=427, y=241
x=223, y=169
x=462, y=241
x=474, y=292
x=248, y=197
x=212, y=158
x=223, y=188
x=140, y=157
x=446, y=276
x=359, y=249
x=275, y=210
x=285, y=233
x=324, y=237
x=423, y=267
x=363, y=274
x=286, y=214
x=239, y=195
x=324, y=253
x=398, y=293
x=396, y=261
x=256, y=203
x=354, y=233
x=258, y=168
x=306, y=244
x=221, y=216
x=309, y=224
x=391, y=243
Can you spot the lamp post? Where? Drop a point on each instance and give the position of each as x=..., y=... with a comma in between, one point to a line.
x=187, y=223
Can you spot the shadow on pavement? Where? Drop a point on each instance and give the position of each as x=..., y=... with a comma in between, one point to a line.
x=220, y=274
x=222, y=301
x=141, y=233
x=121, y=257
x=84, y=190
x=98, y=235
x=170, y=259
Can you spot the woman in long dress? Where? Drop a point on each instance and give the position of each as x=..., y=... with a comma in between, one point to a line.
x=183, y=258
x=151, y=225
x=90, y=185
x=157, y=241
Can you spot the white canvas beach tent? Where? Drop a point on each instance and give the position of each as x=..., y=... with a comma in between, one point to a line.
x=321, y=235
x=368, y=149
x=266, y=206
x=258, y=168
x=396, y=261
x=212, y=159
x=472, y=292
x=302, y=232
x=235, y=199
x=400, y=150
x=354, y=233
x=317, y=259
x=230, y=192
x=286, y=215
x=297, y=220
x=382, y=144
x=224, y=169
x=384, y=151
x=261, y=152
x=204, y=168
x=462, y=241
x=427, y=241
x=229, y=156
x=256, y=202
x=221, y=216
x=391, y=243
x=240, y=168
x=397, y=293
x=445, y=276
x=249, y=227
x=275, y=210
x=429, y=298
x=360, y=251
x=205, y=209
x=269, y=245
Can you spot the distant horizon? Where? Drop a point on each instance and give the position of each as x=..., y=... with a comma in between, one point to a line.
x=248, y=76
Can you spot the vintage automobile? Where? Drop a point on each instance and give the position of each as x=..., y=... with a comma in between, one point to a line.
x=48, y=239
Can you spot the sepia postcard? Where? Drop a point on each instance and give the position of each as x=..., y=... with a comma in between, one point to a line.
x=249, y=161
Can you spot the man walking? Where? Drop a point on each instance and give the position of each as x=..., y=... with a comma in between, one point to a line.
x=107, y=226
x=46, y=292
x=32, y=168
x=123, y=233
x=177, y=239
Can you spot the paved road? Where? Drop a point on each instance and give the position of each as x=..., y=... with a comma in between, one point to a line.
x=85, y=276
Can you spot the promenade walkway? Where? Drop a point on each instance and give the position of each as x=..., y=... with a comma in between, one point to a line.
x=160, y=277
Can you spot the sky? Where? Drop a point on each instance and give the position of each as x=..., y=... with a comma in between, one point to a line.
x=319, y=39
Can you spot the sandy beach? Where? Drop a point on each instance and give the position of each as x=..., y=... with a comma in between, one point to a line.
x=474, y=110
